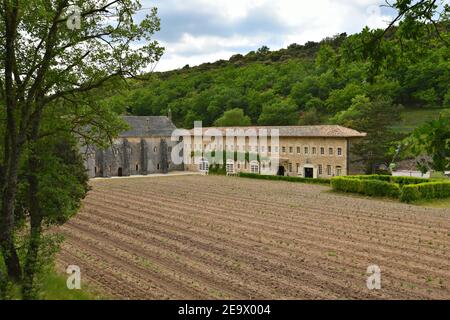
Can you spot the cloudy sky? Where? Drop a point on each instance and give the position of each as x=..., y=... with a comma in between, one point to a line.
x=197, y=31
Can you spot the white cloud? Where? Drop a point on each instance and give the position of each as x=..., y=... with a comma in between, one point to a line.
x=197, y=31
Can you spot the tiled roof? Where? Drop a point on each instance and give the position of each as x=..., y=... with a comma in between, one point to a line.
x=148, y=126
x=304, y=131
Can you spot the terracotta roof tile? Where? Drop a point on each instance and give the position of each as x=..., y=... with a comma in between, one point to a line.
x=304, y=131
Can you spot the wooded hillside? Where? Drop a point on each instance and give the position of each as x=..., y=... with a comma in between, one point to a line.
x=302, y=84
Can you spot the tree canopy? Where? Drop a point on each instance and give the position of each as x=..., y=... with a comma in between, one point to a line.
x=59, y=59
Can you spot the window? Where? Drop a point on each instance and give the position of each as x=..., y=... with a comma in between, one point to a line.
x=298, y=167
x=137, y=167
x=322, y=150
x=276, y=149
x=330, y=151
x=329, y=170
x=299, y=150
x=95, y=170
x=155, y=149
x=263, y=149
x=314, y=150
x=230, y=166
x=306, y=150
x=339, y=171
x=269, y=149
x=158, y=166
x=339, y=151
x=291, y=150
x=290, y=167
x=254, y=167
x=283, y=149
x=320, y=169
x=204, y=165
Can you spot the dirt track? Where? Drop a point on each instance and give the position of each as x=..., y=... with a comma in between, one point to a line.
x=195, y=237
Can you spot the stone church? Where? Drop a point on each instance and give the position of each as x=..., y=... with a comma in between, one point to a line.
x=144, y=149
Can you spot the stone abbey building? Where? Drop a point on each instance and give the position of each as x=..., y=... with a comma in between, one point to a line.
x=304, y=151
x=144, y=149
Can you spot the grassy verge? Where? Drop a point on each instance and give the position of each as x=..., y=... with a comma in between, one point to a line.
x=437, y=203
x=413, y=118
x=53, y=287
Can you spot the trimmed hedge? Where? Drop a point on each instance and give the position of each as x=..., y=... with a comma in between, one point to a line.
x=408, y=189
x=283, y=178
x=400, y=180
x=217, y=170
x=428, y=191
x=369, y=187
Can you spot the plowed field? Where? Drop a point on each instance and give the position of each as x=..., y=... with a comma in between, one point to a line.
x=196, y=237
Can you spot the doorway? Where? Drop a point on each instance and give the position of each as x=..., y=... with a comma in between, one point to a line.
x=120, y=172
x=281, y=171
x=309, y=173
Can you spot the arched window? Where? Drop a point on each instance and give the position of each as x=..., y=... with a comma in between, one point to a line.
x=254, y=167
x=204, y=165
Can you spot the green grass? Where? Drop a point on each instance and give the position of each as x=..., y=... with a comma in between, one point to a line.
x=54, y=288
x=413, y=118
x=439, y=175
x=437, y=203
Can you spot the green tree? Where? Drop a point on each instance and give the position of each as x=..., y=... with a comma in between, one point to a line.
x=282, y=113
x=233, y=118
x=341, y=99
x=375, y=117
x=51, y=68
x=433, y=139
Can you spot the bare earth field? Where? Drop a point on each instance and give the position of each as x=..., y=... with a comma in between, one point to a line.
x=198, y=237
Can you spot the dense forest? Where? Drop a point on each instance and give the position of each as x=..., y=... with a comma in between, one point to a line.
x=314, y=83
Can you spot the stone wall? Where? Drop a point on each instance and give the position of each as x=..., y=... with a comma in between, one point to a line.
x=297, y=154
x=133, y=156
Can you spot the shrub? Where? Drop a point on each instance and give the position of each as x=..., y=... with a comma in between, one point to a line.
x=400, y=180
x=346, y=184
x=283, y=178
x=372, y=177
x=410, y=193
x=217, y=170
x=367, y=187
x=409, y=180
x=428, y=191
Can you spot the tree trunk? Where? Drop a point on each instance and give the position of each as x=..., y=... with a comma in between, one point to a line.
x=7, y=220
x=31, y=261
x=12, y=150
x=36, y=216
